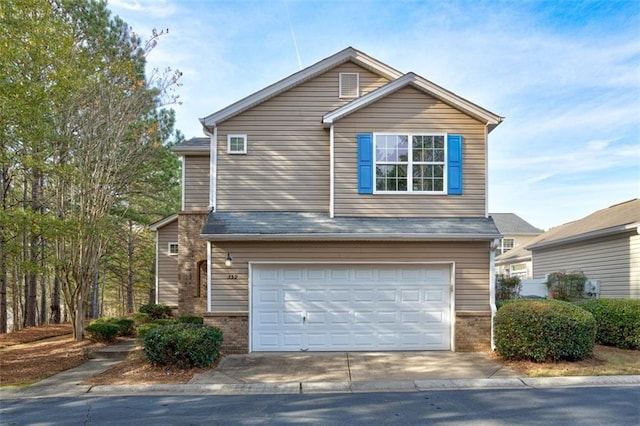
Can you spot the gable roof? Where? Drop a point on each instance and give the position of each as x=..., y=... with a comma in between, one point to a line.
x=163, y=222
x=424, y=85
x=512, y=224
x=348, y=54
x=193, y=145
x=293, y=226
x=517, y=254
x=622, y=217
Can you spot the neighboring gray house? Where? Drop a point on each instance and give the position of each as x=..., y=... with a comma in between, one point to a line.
x=341, y=208
x=511, y=256
x=605, y=246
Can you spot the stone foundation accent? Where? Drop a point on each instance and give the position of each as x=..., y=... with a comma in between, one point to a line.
x=191, y=250
x=473, y=331
x=235, y=329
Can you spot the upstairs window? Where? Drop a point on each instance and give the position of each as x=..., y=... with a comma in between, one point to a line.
x=349, y=85
x=506, y=244
x=410, y=163
x=173, y=249
x=236, y=144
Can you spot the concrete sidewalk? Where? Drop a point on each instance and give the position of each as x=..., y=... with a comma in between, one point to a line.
x=260, y=373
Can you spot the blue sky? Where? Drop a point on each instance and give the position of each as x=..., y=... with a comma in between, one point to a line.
x=564, y=74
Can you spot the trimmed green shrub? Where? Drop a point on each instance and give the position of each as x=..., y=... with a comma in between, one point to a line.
x=141, y=318
x=183, y=345
x=618, y=321
x=125, y=326
x=189, y=319
x=103, y=331
x=164, y=321
x=156, y=311
x=143, y=329
x=544, y=330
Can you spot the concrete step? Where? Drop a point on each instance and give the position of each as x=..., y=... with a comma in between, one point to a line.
x=117, y=351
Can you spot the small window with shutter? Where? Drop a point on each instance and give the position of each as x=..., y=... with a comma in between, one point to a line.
x=349, y=85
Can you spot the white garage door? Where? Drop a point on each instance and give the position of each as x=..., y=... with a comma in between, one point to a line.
x=350, y=307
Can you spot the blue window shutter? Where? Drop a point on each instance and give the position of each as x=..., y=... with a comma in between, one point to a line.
x=454, y=164
x=365, y=163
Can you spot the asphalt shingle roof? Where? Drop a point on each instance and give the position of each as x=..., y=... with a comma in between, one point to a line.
x=284, y=225
x=192, y=145
x=512, y=224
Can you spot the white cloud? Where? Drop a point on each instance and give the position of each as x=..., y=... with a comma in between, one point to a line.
x=148, y=8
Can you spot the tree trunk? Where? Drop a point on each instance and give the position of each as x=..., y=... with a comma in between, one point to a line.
x=95, y=295
x=4, y=189
x=55, y=301
x=78, y=320
x=3, y=287
x=43, y=283
x=130, y=274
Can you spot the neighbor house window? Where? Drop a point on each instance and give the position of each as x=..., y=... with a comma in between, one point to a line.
x=237, y=144
x=173, y=249
x=410, y=163
x=519, y=270
x=506, y=244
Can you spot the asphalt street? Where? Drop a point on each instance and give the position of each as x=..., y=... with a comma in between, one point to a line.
x=549, y=406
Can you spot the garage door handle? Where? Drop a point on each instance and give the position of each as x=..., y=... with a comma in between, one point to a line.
x=304, y=319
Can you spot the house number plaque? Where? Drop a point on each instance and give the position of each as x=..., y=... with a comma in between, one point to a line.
x=233, y=276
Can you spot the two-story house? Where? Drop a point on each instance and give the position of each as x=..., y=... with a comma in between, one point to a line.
x=341, y=208
x=511, y=257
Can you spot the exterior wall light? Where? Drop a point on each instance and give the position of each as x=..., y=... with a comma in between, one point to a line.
x=228, y=261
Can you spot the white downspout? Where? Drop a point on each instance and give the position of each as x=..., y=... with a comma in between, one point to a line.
x=331, y=173
x=213, y=175
x=486, y=170
x=183, y=189
x=492, y=286
x=213, y=166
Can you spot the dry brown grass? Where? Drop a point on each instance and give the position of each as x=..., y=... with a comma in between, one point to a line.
x=606, y=361
x=35, y=353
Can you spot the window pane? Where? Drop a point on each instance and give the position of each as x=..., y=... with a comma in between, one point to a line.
x=428, y=178
x=391, y=178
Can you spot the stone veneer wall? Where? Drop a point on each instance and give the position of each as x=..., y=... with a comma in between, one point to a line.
x=191, y=250
x=235, y=329
x=473, y=331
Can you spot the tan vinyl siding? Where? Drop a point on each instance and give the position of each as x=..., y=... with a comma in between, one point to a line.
x=196, y=185
x=287, y=162
x=167, y=265
x=409, y=110
x=613, y=260
x=471, y=259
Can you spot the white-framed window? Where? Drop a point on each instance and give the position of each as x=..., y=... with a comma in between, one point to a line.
x=349, y=85
x=236, y=144
x=506, y=244
x=518, y=270
x=173, y=249
x=410, y=162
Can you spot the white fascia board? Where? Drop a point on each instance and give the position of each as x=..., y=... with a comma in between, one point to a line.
x=186, y=150
x=348, y=237
x=586, y=236
x=163, y=222
x=297, y=78
x=420, y=83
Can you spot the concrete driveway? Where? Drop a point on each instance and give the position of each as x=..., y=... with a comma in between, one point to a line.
x=352, y=367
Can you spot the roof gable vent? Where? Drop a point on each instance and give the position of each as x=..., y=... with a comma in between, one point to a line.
x=349, y=85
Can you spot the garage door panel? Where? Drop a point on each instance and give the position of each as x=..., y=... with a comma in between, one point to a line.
x=350, y=307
